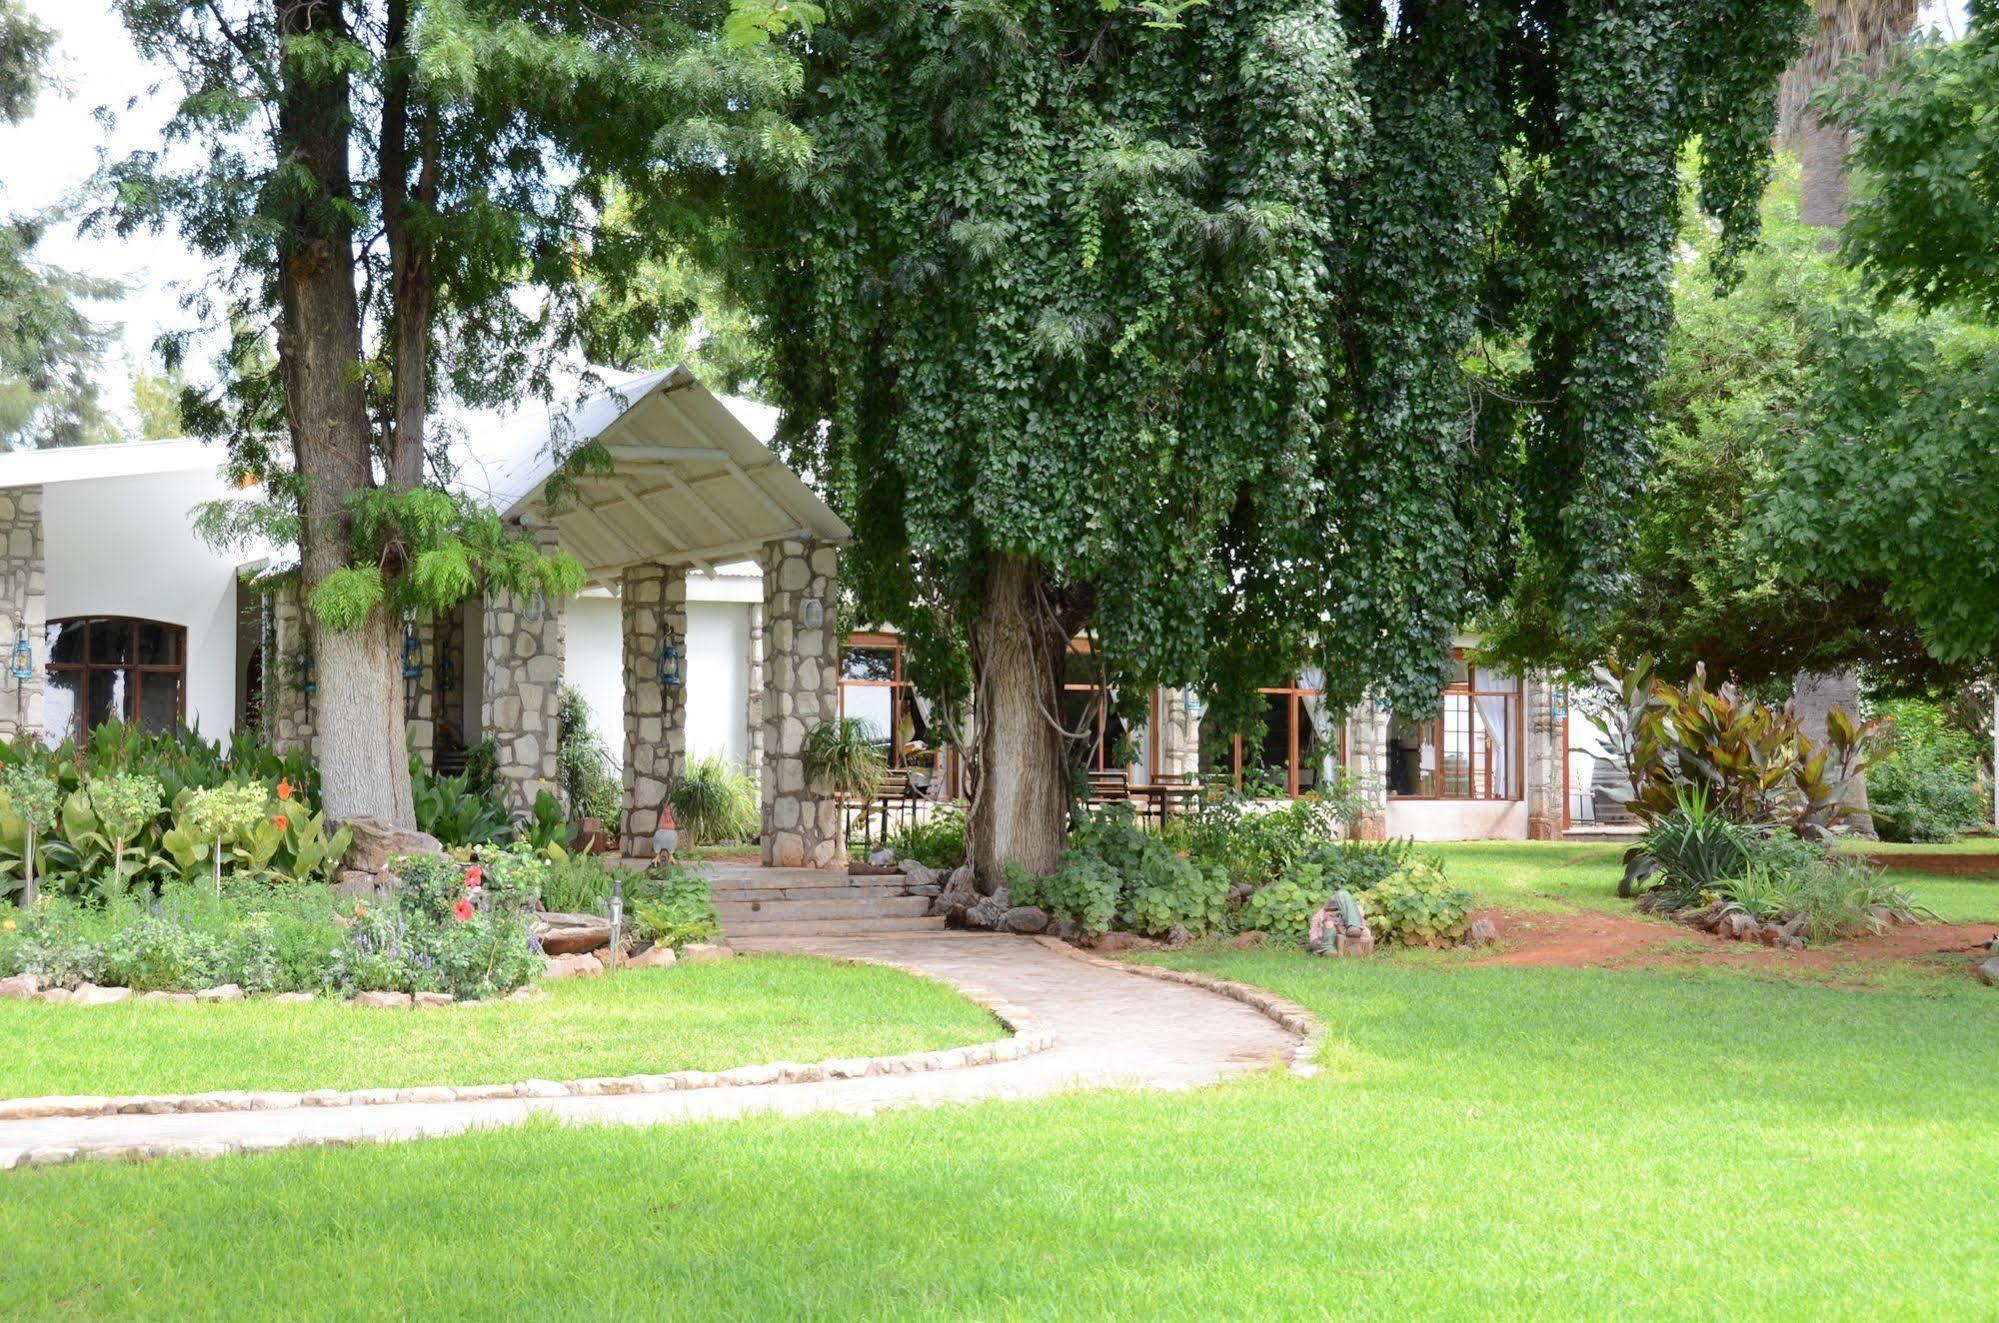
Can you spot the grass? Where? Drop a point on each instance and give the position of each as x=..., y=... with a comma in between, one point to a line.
x=699, y=1017
x=1483, y=1143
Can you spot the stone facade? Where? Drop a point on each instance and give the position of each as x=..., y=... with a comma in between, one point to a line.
x=756, y=691
x=1179, y=735
x=654, y=610
x=24, y=607
x=1546, y=724
x=288, y=707
x=801, y=825
x=419, y=691
x=1367, y=764
x=520, y=703
x=444, y=676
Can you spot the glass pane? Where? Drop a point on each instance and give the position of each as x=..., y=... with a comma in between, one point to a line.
x=867, y=664
x=1274, y=749
x=1498, y=682
x=159, y=701
x=1412, y=757
x=110, y=642
x=159, y=645
x=107, y=698
x=869, y=703
x=59, y=704
x=1464, y=748
x=1460, y=671
x=64, y=641
x=1315, y=747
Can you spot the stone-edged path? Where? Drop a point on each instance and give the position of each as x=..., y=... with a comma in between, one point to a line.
x=1110, y=1028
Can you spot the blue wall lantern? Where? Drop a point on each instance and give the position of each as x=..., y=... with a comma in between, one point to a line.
x=412, y=653
x=308, y=674
x=447, y=676
x=669, y=663
x=23, y=666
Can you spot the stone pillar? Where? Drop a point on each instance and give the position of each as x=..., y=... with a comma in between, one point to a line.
x=1367, y=763
x=523, y=642
x=288, y=670
x=24, y=609
x=801, y=824
x=1544, y=758
x=420, y=691
x=1179, y=734
x=653, y=606
x=755, y=715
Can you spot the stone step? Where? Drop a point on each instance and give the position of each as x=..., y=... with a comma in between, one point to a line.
x=829, y=927
x=795, y=879
x=858, y=907
x=744, y=891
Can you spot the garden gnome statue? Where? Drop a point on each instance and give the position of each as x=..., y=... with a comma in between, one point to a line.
x=1339, y=928
x=667, y=838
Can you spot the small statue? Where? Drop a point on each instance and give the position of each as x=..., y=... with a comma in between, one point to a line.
x=1339, y=928
x=666, y=839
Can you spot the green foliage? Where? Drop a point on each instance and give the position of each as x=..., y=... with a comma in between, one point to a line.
x=675, y=908
x=582, y=883
x=1928, y=789
x=845, y=755
x=716, y=800
x=937, y=841
x=1417, y=906
x=449, y=808
x=545, y=826
x=1687, y=851
x=589, y=779
x=1084, y=888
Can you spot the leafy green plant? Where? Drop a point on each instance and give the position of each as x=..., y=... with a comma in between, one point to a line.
x=1688, y=852
x=32, y=797
x=1927, y=789
x=936, y=842
x=546, y=826
x=125, y=807
x=455, y=812
x=716, y=801
x=846, y=756
x=1084, y=888
x=584, y=768
x=1417, y=906
x=675, y=908
x=209, y=820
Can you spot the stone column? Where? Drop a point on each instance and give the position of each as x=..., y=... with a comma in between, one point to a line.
x=24, y=609
x=801, y=824
x=288, y=671
x=420, y=691
x=1367, y=763
x=523, y=645
x=653, y=607
x=755, y=715
x=1179, y=734
x=1544, y=758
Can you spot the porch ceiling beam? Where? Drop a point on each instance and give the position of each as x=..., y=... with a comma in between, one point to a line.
x=618, y=542
x=670, y=454
x=764, y=498
x=706, y=557
x=619, y=496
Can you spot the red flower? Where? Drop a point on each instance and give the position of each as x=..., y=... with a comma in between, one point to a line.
x=474, y=876
x=284, y=788
x=280, y=822
x=462, y=910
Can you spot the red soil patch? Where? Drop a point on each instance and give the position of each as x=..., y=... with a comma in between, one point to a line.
x=1587, y=939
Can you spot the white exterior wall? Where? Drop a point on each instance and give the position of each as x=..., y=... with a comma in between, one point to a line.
x=593, y=664
x=126, y=547
x=718, y=679
x=1458, y=819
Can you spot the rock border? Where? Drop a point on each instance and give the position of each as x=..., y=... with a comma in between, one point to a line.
x=1026, y=1037
x=1286, y=1014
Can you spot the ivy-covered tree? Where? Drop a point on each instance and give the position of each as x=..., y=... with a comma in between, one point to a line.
x=1894, y=476
x=407, y=198
x=49, y=346
x=1236, y=335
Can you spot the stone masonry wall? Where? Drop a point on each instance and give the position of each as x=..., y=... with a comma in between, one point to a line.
x=1367, y=763
x=653, y=605
x=420, y=691
x=755, y=714
x=1544, y=760
x=1179, y=735
x=801, y=825
x=288, y=708
x=24, y=608
x=523, y=642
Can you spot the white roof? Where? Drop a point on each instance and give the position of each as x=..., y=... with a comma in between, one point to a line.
x=40, y=468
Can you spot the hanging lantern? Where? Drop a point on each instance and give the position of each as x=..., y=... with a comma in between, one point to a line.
x=412, y=651
x=669, y=663
x=447, y=676
x=308, y=674
x=24, y=659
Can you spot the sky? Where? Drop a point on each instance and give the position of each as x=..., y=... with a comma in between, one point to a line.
x=104, y=106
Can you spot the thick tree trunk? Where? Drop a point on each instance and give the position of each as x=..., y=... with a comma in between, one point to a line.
x=359, y=743
x=1813, y=695
x=1020, y=806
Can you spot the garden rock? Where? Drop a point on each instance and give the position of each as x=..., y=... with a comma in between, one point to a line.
x=986, y=913
x=1737, y=927
x=1114, y=942
x=920, y=874
x=432, y=1001
x=90, y=994
x=19, y=988
x=1481, y=932
x=959, y=894
x=882, y=858
x=377, y=840
x=187, y=998
x=1354, y=941
x=1988, y=971
x=293, y=998
x=653, y=957
x=570, y=934
x=361, y=886
x=1253, y=938
x=1178, y=935
x=221, y=992
x=573, y=966
x=1024, y=919
x=528, y=992
x=387, y=1001
x=56, y=996
x=705, y=953
x=1066, y=928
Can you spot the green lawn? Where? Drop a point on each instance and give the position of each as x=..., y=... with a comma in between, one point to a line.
x=700, y=1017
x=1484, y=1143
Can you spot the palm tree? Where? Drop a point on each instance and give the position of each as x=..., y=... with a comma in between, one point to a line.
x=1863, y=31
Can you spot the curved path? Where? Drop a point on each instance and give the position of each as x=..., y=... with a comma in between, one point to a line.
x=1110, y=1028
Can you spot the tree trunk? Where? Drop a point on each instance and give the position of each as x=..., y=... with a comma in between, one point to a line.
x=1813, y=695
x=359, y=744
x=1020, y=805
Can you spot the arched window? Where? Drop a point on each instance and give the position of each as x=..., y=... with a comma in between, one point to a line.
x=114, y=668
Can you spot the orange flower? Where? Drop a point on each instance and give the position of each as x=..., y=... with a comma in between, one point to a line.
x=462, y=910
x=474, y=876
x=284, y=789
x=280, y=822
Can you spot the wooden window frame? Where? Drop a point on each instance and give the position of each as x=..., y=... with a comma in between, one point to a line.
x=1296, y=707
x=80, y=730
x=1516, y=723
x=902, y=691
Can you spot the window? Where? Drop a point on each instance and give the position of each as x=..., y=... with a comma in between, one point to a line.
x=1470, y=750
x=1108, y=735
x=113, y=668
x=875, y=687
x=1302, y=746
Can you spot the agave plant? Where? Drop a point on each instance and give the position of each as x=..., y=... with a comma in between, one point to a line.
x=716, y=801
x=1691, y=850
x=846, y=756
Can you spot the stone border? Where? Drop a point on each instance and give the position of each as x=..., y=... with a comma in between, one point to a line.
x=1026, y=1037
x=1287, y=1015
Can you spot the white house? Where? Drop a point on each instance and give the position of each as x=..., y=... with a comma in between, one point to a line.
x=706, y=627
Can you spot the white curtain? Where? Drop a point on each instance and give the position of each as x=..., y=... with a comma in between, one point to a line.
x=1493, y=714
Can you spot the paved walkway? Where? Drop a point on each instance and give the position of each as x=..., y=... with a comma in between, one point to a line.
x=1110, y=1028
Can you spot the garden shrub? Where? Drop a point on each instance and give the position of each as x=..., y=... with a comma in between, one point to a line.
x=1417, y=906
x=155, y=952
x=674, y=908
x=456, y=811
x=585, y=769
x=1284, y=907
x=1083, y=888
x=935, y=842
x=716, y=800
x=1928, y=789
x=1687, y=852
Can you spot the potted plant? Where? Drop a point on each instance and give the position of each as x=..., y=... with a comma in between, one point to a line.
x=845, y=755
